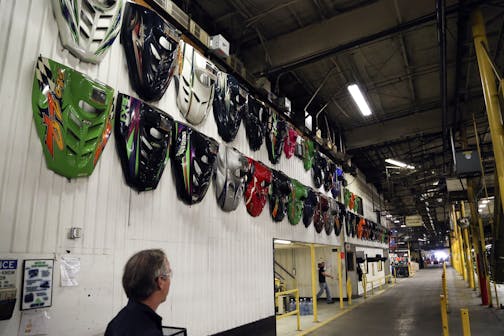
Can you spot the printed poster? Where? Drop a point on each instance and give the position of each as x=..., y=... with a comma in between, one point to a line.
x=37, y=283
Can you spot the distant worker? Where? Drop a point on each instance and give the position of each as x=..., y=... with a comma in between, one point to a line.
x=322, y=274
x=146, y=281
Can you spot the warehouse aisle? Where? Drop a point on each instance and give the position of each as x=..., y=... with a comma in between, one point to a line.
x=412, y=308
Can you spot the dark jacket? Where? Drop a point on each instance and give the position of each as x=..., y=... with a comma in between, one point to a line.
x=136, y=319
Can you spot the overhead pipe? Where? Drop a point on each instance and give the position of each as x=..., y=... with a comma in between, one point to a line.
x=441, y=32
x=318, y=89
x=355, y=43
x=462, y=20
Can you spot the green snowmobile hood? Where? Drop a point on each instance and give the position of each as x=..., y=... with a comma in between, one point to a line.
x=73, y=116
x=308, y=153
x=296, y=202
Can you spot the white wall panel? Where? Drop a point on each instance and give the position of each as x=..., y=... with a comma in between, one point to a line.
x=373, y=274
x=223, y=262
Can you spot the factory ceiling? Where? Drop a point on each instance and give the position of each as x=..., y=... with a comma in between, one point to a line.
x=420, y=77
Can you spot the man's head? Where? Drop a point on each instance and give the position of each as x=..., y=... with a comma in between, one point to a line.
x=147, y=276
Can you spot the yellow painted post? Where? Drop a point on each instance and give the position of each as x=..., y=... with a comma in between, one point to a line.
x=490, y=93
x=460, y=243
x=314, y=283
x=444, y=287
x=364, y=284
x=491, y=96
x=463, y=254
x=444, y=316
x=470, y=268
x=469, y=262
x=298, y=311
x=349, y=291
x=340, y=280
x=466, y=326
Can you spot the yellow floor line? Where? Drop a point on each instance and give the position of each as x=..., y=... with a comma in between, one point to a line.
x=346, y=310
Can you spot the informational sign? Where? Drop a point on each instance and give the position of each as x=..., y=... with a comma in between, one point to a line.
x=8, y=268
x=37, y=283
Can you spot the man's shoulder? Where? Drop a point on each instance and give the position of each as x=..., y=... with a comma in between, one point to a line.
x=132, y=322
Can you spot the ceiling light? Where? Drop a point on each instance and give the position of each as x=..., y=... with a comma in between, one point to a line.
x=359, y=99
x=389, y=216
x=396, y=221
x=435, y=183
x=399, y=163
x=281, y=241
x=403, y=226
x=485, y=201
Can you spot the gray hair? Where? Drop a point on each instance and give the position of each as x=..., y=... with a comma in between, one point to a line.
x=140, y=273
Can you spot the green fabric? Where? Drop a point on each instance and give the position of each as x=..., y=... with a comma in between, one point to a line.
x=296, y=202
x=308, y=153
x=347, y=196
x=73, y=117
x=357, y=204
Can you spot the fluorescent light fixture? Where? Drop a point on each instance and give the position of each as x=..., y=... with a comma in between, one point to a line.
x=396, y=221
x=359, y=99
x=403, y=226
x=281, y=241
x=389, y=216
x=485, y=201
x=399, y=163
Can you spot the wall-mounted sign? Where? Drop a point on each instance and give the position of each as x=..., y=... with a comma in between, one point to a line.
x=8, y=273
x=37, y=283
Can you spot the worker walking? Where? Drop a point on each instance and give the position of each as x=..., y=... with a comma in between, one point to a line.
x=322, y=282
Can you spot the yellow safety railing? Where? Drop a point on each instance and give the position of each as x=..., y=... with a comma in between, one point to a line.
x=382, y=281
x=294, y=312
x=464, y=312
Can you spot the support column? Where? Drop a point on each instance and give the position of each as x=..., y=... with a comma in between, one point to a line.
x=463, y=255
x=470, y=267
x=491, y=96
x=478, y=250
x=314, y=283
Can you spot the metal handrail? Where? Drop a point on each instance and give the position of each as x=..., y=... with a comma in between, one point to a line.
x=294, y=312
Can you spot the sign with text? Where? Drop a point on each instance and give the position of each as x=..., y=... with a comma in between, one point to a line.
x=37, y=283
x=8, y=268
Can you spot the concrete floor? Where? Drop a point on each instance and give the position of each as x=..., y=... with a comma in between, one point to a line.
x=409, y=308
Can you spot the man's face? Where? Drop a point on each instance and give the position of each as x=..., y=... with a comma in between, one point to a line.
x=165, y=281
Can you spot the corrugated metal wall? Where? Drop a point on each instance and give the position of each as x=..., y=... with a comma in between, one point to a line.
x=222, y=260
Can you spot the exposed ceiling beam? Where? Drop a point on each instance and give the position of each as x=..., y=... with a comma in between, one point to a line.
x=424, y=122
x=404, y=53
x=298, y=48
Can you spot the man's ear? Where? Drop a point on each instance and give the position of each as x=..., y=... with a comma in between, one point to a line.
x=157, y=283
